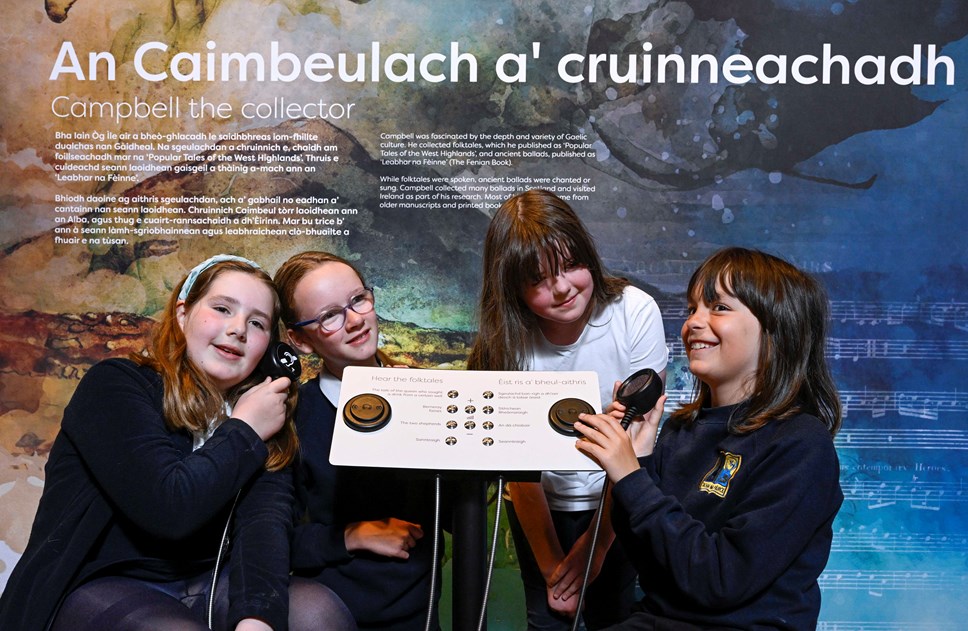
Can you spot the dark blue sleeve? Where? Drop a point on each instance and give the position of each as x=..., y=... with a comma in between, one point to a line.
x=259, y=551
x=318, y=538
x=316, y=545
x=791, y=492
x=147, y=472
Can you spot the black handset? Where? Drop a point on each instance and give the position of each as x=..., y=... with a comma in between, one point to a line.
x=639, y=394
x=281, y=360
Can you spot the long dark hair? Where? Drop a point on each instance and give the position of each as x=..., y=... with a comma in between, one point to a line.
x=792, y=374
x=529, y=229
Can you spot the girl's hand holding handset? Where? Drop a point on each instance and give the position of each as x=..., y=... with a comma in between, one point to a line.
x=616, y=449
x=643, y=429
x=263, y=407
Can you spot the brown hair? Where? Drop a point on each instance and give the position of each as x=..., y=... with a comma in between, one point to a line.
x=792, y=374
x=530, y=228
x=191, y=400
x=294, y=270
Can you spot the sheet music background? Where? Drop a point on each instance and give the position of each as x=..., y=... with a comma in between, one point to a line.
x=863, y=185
x=893, y=261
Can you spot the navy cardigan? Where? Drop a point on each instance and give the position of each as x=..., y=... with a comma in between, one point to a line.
x=124, y=495
x=378, y=590
x=732, y=531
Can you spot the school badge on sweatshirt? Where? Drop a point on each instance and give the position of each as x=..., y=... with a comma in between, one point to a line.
x=717, y=480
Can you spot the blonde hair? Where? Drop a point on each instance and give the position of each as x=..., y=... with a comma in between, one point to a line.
x=294, y=270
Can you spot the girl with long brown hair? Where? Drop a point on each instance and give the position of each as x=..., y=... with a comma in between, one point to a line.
x=547, y=303
x=167, y=500
x=728, y=517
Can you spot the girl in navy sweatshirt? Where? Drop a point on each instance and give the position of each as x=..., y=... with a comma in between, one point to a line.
x=728, y=516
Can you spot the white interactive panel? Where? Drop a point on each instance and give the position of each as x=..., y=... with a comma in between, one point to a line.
x=462, y=420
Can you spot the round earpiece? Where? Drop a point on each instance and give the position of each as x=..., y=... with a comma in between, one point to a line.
x=281, y=360
x=639, y=393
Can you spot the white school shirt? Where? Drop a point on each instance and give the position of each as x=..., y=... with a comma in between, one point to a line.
x=620, y=338
x=331, y=386
x=200, y=438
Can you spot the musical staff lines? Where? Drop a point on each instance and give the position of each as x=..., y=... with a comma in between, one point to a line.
x=912, y=403
x=923, y=404
x=912, y=543
x=857, y=625
x=944, y=314
x=671, y=272
x=908, y=438
x=879, y=348
x=894, y=313
x=914, y=494
x=877, y=582
x=875, y=348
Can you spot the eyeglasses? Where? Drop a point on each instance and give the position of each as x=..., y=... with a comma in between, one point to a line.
x=334, y=319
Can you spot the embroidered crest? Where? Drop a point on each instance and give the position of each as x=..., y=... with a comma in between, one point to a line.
x=717, y=480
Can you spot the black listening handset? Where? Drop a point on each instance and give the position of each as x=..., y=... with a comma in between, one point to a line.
x=639, y=394
x=281, y=360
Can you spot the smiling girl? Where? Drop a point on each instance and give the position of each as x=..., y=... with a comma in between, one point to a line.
x=547, y=303
x=361, y=530
x=161, y=461
x=728, y=517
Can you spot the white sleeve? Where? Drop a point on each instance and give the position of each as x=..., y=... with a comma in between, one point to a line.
x=647, y=336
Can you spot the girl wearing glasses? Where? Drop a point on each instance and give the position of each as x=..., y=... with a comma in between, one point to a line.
x=361, y=529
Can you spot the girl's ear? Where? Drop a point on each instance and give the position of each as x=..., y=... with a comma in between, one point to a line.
x=180, y=313
x=298, y=340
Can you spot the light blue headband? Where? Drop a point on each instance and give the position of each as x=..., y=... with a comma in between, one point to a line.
x=204, y=265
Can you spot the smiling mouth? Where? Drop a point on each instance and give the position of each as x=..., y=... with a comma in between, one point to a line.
x=566, y=303
x=359, y=339
x=697, y=346
x=228, y=350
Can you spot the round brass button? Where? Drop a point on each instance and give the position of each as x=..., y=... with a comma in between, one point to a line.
x=366, y=412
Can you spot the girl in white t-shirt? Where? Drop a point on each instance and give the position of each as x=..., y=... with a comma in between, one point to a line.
x=548, y=304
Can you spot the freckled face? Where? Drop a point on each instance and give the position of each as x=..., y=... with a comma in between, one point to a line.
x=722, y=342
x=227, y=330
